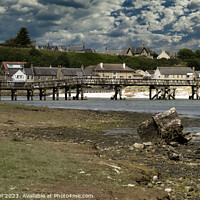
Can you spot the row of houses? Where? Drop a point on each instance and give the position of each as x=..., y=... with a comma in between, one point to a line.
x=130, y=51
x=15, y=71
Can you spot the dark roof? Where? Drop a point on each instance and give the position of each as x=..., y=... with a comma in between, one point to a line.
x=74, y=48
x=175, y=70
x=72, y=71
x=138, y=50
x=45, y=71
x=113, y=67
x=88, y=50
x=28, y=71
x=151, y=72
x=89, y=72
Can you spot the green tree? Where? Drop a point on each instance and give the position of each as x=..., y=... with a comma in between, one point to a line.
x=22, y=37
x=185, y=54
x=197, y=53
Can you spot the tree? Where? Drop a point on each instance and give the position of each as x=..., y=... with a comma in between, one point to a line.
x=22, y=37
x=185, y=54
x=197, y=53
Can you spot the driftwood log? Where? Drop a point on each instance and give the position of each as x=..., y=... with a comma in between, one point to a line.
x=162, y=127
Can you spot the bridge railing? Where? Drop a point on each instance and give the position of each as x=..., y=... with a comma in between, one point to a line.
x=98, y=81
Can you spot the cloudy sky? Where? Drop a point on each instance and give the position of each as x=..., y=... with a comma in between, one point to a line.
x=169, y=24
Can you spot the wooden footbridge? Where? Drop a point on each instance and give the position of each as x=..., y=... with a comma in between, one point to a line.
x=162, y=88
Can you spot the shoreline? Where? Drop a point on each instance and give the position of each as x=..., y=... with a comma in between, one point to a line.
x=109, y=157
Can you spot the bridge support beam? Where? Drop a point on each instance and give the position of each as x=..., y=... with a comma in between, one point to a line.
x=68, y=93
x=42, y=94
x=195, y=92
x=14, y=95
x=162, y=93
x=29, y=95
x=79, y=91
x=118, y=91
x=55, y=95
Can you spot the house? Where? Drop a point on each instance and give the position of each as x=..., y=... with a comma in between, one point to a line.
x=45, y=73
x=150, y=73
x=46, y=47
x=67, y=73
x=114, y=71
x=5, y=66
x=178, y=73
x=15, y=76
x=137, y=51
x=75, y=48
x=167, y=55
x=29, y=74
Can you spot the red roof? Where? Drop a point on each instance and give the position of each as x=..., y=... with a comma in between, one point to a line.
x=5, y=64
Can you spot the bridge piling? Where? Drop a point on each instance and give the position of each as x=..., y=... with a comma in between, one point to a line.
x=118, y=90
x=195, y=92
x=14, y=95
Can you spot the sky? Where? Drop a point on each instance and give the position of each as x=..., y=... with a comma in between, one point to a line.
x=115, y=24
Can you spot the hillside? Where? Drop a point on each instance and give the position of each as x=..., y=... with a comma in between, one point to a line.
x=45, y=58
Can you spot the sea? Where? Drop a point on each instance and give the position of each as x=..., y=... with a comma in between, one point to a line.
x=185, y=107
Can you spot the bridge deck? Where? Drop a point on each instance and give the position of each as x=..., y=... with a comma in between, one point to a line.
x=96, y=81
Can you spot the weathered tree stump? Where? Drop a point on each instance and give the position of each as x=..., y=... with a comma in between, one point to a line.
x=162, y=127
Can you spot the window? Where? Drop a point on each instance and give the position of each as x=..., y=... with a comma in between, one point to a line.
x=46, y=78
x=28, y=77
x=107, y=76
x=53, y=78
x=166, y=76
x=32, y=77
x=177, y=76
x=129, y=77
x=19, y=76
x=114, y=73
x=121, y=76
x=39, y=78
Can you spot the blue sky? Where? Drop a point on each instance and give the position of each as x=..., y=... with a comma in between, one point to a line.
x=168, y=24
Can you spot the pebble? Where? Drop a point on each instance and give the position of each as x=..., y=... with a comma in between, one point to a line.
x=138, y=146
x=155, y=178
x=168, y=189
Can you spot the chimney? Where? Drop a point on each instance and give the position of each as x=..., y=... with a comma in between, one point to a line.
x=105, y=49
x=101, y=65
x=83, y=46
x=124, y=65
x=143, y=45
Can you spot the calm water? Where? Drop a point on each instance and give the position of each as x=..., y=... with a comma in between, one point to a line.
x=186, y=108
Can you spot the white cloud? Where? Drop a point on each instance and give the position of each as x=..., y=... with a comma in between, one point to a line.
x=2, y=10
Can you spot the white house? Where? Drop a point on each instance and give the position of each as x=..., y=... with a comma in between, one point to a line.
x=17, y=76
x=177, y=73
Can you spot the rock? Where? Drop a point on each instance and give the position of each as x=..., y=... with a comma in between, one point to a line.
x=138, y=146
x=173, y=156
x=189, y=189
x=147, y=144
x=162, y=127
x=168, y=190
x=155, y=178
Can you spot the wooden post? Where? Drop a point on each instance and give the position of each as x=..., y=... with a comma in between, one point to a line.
x=57, y=94
x=0, y=95
x=82, y=93
x=54, y=94
x=66, y=91
x=14, y=95
x=157, y=94
x=150, y=93
x=70, y=93
x=31, y=95
x=44, y=94
x=120, y=92
x=28, y=95
x=41, y=94
x=77, y=92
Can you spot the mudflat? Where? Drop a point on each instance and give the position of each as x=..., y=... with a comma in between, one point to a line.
x=53, y=152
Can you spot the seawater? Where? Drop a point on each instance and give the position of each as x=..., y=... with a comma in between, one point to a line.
x=185, y=108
